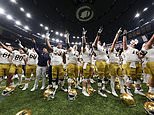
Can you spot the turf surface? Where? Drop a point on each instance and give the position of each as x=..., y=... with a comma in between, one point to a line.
x=93, y=105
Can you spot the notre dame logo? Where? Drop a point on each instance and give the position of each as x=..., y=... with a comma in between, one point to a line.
x=84, y=13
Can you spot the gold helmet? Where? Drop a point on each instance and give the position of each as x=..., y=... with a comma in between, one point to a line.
x=72, y=94
x=127, y=99
x=149, y=107
x=8, y=90
x=25, y=112
x=150, y=96
x=49, y=93
x=90, y=90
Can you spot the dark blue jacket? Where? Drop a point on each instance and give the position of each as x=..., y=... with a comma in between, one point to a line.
x=42, y=57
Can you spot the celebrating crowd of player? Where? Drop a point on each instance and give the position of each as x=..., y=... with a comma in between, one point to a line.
x=76, y=68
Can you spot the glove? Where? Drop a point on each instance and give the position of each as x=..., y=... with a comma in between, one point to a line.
x=18, y=41
x=84, y=32
x=99, y=31
x=119, y=31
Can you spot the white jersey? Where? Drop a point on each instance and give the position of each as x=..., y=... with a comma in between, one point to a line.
x=32, y=57
x=100, y=53
x=5, y=56
x=131, y=55
x=18, y=58
x=72, y=56
x=123, y=58
x=86, y=56
x=150, y=55
x=56, y=56
x=113, y=57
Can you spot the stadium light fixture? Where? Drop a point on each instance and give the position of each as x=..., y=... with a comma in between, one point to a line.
x=137, y=15
x=9, y=17
x=18, y=22
x=41, y=25
x=53, y=39
x=2, y=11
x=22, y=9
x=61, y=34
x=28, y=15
x=46, y=28
x=57, y=40
x=145, y=9
x=57, y=33
x=38, y=34
x=43, y=36
x=13, y=1
x=26, y=27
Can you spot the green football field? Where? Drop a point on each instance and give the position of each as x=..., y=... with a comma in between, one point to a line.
x=93, y=105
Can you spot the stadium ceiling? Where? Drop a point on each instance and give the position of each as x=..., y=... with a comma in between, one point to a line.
x=73, y=15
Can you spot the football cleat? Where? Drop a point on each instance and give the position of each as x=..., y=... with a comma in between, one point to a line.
x=92, y=81
x=107, y=91
x=78, y=87
x=25, y=87
x=150, y=96
x=72, y=94
x=24, y=112
x=129, y=92
x=63, y=89
x=34, y=88
x=127, y=99
x=85, y=93
x=139, y=92
x=101, y=93
x=8, y=90
x=149, y=108
x=114, y=94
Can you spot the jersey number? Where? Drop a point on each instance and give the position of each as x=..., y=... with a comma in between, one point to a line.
x=18, y=57
x=33, y=56
x=6, y=55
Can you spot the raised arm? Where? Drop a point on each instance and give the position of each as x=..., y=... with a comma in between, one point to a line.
x=125, y=40
x=21, y=46
x=48, y=42
x=68, y=42
x=35, y=46
x=149, y=43
x=5, y=47
x=97, y=37
x=84, y=39
x=115, y=40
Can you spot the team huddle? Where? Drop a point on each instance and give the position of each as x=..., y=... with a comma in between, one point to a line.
x=79, y=68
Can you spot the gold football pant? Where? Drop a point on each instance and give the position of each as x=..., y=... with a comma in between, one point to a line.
x=101, y=68
x=72, y=70
x=115, y=69
x=87, y=72
x=57, y=71
x=134, y=73
x=30, y=69
x=13, y=69
x=4, y=69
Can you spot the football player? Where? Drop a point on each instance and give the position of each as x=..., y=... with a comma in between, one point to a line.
x=133, y=65
x=31, y=62
x=101, y=65
x=149, y=47
x=87, y=65
x=115, y=69
x=72, y=67
x=58, y=59
x=5, y=61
